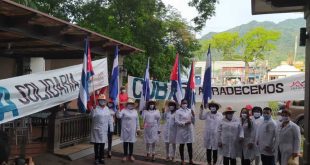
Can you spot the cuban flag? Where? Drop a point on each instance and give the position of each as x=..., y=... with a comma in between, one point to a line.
x=145, y=96
x=87, y=73
x=190, y=89
x=114, y=87
x=175, y=77
x=206, y=87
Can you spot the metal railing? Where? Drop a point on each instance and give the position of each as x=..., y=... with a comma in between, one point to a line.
x=72, y=130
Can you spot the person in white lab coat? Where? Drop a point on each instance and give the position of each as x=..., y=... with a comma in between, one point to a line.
x=267, y=138
x=185, y=119
x=151, y=118
x=130, y=127
x=101, y=121
x=212, y=120
x=228, y=137
x=247, y=137
x=112, y=110
x=289, y=138
x=169, y=133
x=258, y=120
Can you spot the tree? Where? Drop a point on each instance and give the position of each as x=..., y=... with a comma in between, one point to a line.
x=255, y=44
x=205, y=8
x=146, y=24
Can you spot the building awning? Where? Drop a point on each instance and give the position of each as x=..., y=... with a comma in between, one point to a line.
x=25, y=32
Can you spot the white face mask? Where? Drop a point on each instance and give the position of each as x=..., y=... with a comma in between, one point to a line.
x=171, y=108
x=285, y=118
x=130, y=107
x=244, y=116
x=102, y=102
x=123, y=91
x=152, y=106
x=184, y=106
x=212, y=109
x=256, y=114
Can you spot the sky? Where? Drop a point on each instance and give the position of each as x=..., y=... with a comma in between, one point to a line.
x=228, y=14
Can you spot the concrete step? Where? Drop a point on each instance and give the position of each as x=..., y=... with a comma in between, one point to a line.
x=80, y=150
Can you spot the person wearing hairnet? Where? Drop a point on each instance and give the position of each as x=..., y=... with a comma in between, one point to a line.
x=151, y=117
x=169, y=132
x=185, y=119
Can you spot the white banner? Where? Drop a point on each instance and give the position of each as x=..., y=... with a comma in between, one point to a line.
x=289, y=88
x=28, y=94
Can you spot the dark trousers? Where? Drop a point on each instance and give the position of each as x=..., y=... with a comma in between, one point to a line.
x=211, y=153
x=189, y=149
x=228, y=160
x=127, y=145
x=279, y=156
x=118, y=124
x=267, y=160
x=99, y=151
x=245, y=161
x=110, y=134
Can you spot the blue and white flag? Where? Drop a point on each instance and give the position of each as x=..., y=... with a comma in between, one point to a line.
x=206, y=87
x=114, y=86
x=87, y=73
x=145, y=96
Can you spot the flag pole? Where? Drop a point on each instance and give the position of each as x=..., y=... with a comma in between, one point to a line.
x=94, y=93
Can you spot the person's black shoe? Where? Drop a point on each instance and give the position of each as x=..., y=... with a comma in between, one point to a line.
x=101, y=161
x=96, y=162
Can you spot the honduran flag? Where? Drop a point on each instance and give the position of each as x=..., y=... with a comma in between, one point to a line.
x=114, y=87
x=206, y=87
x=145, y=96
x=176, y=84
x=190, y=89
x=87, y=73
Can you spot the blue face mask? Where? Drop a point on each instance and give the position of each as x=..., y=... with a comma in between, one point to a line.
x=102, y=102
x=266, y=117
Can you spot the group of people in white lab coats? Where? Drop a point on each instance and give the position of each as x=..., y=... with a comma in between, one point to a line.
x=251, y=136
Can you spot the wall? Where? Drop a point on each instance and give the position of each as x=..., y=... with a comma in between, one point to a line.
x=7, y=67
x=60, y=63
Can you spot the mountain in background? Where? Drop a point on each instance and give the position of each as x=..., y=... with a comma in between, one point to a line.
x=285, y=45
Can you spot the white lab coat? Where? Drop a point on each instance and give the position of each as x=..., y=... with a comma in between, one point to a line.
x=289, y=141
x=212, y=122
x=170, y=128
x=130, y=124
x=185, y=132
x=151, y=125
x=267, y=137
x=249, y=138
x=101, y=120
x=228, y=136
x=257, y=123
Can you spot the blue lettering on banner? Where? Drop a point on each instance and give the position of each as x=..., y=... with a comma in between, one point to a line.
x=9, y=106
x=136, y=81
x=161, y=91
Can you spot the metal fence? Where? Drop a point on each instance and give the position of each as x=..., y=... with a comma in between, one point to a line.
x=72, y=130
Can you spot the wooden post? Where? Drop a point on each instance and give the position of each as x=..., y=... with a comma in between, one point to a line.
x=306, y=151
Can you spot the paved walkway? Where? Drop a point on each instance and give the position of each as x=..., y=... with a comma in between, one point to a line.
x=199, y=155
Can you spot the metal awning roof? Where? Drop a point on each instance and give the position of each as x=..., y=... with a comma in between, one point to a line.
x=27, y=32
